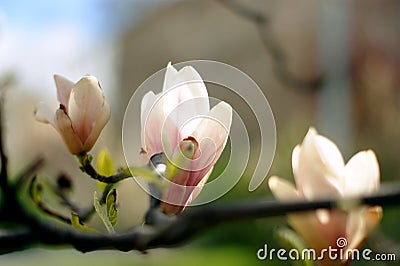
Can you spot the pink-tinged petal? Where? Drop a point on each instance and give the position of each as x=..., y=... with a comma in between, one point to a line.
x=305, y=223
x=360, y=223
x=185, y=96
x=64, y=127
x=174, y=197
x=211, y=134
x=64, y=87
x=102, y=119
x=184, y=195
x=332, y=225
x=159, y=133
x=85, y=103
x=148, y=101
x=283, y=190
x=194, y=191
x=362, y=174
x=320, y=167
x=44, y=114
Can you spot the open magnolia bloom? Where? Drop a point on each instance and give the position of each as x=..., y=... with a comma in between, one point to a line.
x=320, y=172
x=179, y=124
x=82, y=115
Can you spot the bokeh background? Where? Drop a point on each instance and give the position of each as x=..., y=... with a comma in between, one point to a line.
x=332, y=64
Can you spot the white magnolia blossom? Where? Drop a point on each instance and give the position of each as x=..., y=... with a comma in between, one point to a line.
x=320, y=172
x=179, y=120
x=82, y=115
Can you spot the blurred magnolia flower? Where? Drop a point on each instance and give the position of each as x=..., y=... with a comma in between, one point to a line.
x=320, y=172
x=178, y=122
x=82, y=115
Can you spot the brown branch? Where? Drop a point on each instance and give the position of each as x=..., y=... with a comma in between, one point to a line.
x=170, y=231
x=3, y=156
x=272, y=46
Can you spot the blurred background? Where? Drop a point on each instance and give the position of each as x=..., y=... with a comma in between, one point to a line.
x=330, y=64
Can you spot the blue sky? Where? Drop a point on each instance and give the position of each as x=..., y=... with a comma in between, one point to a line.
x=43, y=37
x=39, y=38
x=40, y=14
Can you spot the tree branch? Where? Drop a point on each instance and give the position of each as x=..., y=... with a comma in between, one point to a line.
x=272, y=46
x=170, y=231
x=3, y=156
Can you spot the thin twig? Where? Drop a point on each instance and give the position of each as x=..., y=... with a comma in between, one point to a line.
x=272, y=46
x=42, y=206
x=30, y=171
x=87, y=167
x=86, y=214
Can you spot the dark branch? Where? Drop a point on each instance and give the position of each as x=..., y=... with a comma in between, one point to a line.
x=169, y=231
x=272, y=46
x=15, y=239
x=3, y=156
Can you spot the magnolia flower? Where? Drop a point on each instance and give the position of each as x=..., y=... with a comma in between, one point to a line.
x=82, y=115
x=320, y=172
x=179, y=123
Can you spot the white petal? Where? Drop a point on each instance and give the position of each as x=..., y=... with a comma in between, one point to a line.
x=64, y=87
x=362, y=174
x=85, y=104
x=44, y=114
x=283, y=189
x=320, y=167
x=170, y=74
x=185, y=96
x=295, y=159
x=324, y=151
x=330, y=155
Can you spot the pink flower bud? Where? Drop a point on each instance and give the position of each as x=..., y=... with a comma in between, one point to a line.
x=82, y=115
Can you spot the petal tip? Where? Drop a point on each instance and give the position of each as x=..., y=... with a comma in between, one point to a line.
x=273, y=182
